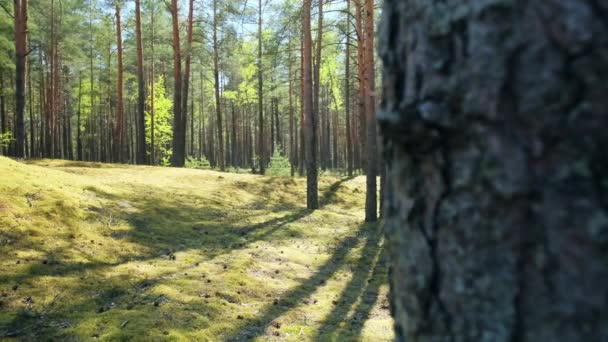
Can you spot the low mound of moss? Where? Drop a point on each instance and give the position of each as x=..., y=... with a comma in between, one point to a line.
x=115, y=252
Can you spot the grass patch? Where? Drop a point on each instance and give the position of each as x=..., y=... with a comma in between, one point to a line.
x=116, y=252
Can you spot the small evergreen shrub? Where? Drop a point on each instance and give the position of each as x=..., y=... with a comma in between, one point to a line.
x=198, y=163
x=165, y=161
x=6, y=138
x=279, y=164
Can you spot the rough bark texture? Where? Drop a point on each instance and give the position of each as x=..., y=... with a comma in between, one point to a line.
x=312, y=196
x=494, y=117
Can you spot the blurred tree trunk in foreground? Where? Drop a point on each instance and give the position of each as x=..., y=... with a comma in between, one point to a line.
x=494, y=119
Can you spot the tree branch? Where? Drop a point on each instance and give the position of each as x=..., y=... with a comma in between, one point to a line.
x=6, y=10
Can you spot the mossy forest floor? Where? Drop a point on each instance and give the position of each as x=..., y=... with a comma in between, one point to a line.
x=94, y=251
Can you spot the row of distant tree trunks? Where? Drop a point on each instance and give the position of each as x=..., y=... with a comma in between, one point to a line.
x=119, y=137
x=241, y=125
x=115, y=136
x=368, y=134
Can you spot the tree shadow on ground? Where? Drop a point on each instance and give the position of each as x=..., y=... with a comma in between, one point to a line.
x=330, y=194
x=253, y=328
x=160, y=226
x=163, y=227
x=359, y=297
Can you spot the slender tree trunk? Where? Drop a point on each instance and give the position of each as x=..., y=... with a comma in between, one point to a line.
x=50, y=85
x=251, y=139
x=192, y=133
x=335, y=135
x=119, y=133
x=68, y=110
x=302, y=118
x=371, y=198
x=31, y=112
x=179, y=139
x=261, y=154
x=49, y=105
x=42, y=107
x=20, y=14
x=356, y=141
x=212, y=139
x=79, y=122
x=3, y=125
x=92, y=145
x=202, y=144
x=216, y=73
x=277, y=123
x=327, y=127
x=227, y=157
x=497, y=170
x=152, y=79
x=140, y=156
x=272, y=117
x=349, y=144
x=361, y=37
x=233, y=145
x=312, y=196
x=187, y=67
x=55, y=92
x=105, y=115
x=316, y=105
x=292, y=150
x=135, y=132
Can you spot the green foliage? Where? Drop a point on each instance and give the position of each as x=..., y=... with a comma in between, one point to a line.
x=6, y=138
x=165, y=161
x=7, y=45
x=279, y=164
x=332, y=59
x=163, y=133
x=198, y=163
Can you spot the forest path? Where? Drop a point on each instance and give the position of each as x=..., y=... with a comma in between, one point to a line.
x=116, y=252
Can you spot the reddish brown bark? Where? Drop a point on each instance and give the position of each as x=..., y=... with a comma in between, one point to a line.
x=20, y=14
x=179, y=138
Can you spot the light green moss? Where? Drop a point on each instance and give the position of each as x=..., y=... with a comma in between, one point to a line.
x=144, y=253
